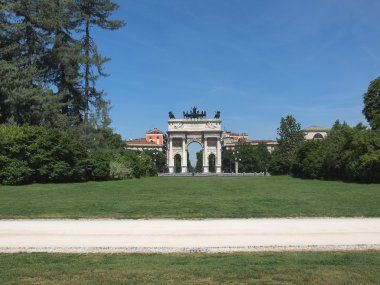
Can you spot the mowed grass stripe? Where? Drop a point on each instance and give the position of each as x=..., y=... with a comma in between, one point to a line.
x=192, y=197
x=258, y=268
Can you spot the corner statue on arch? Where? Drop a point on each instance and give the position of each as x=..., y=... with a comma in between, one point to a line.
x=194, y=127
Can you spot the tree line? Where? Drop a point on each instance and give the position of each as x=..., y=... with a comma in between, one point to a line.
x=31, y=154
x=348, y=153
x=54, y=120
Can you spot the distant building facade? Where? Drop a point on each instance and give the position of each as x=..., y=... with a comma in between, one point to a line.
x=155, y=136
x=315, y=133
x=231, y=139
x=154, y=140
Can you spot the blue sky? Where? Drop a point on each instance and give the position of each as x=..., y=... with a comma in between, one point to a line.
x=255, y=61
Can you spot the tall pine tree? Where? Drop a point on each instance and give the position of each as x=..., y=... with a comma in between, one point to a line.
x=22, y=46
x=62, y=61
x=94, y=13
x=49, y=63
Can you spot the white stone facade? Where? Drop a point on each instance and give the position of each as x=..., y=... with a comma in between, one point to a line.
x=315, y=135
x=206, y=132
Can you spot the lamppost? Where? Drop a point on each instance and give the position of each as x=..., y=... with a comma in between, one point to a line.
x=237, y=159
x=155, y=152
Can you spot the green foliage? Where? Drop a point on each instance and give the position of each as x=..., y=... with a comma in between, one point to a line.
x=129, y=163
x=177, y=163
x=309, y=162
x=279, y=164
x=42, y=155
x=122, y=165
x=371, y=108
x=289, y=136
x=159, y=159
x=49, y=63
x=15, y=172
x=38, y=154
x=190, y=167
x=245, y=153
x=49, y=66
x=228, y=162
x=103, y=139
x=93, y=13
x=120, y=170
x=351, y=154
x=262, y=156
x=252, y=158
x=142, y=164
x=199, y=165
x=98, y=167
x=211, y=163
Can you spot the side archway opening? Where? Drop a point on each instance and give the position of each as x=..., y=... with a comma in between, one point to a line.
x=177, y=163
x=211, y=163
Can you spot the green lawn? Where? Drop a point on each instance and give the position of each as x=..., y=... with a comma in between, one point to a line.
x=259, y=268
x=191, y=197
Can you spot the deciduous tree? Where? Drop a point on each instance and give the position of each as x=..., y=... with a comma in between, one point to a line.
x=371, y=108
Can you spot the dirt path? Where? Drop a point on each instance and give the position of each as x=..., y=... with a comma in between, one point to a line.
x=211, y=235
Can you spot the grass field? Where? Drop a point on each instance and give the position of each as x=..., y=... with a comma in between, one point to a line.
x=191, y=197
x=259, y=268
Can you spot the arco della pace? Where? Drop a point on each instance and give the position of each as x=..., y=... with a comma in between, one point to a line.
x=194, y=127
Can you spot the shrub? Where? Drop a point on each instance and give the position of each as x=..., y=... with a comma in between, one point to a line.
x=98, y=166
x=56, y=156
x=16, y=172
x=40, y=155
x=120, y=170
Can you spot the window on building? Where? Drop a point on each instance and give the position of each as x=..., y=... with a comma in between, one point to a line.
x=318, y=136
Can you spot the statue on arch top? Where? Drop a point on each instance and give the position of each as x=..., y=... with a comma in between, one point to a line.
x=194, y=113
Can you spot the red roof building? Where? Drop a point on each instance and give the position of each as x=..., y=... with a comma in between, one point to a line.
x=154, y=140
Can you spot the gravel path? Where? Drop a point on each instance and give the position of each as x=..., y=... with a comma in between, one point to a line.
x=210, y=235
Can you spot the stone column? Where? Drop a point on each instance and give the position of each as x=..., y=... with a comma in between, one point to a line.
x=205, y=157
x=184, y=156
x=170, y=156
x=218, y=158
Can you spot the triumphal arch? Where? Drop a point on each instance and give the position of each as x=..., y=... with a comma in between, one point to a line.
x=194, y=127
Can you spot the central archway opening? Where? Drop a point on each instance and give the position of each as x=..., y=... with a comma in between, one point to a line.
x=194, y=157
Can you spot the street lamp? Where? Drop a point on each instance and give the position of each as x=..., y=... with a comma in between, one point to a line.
x=155, y=153
x=237, y=159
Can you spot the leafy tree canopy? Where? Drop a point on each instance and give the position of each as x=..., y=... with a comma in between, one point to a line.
x=371, y=108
